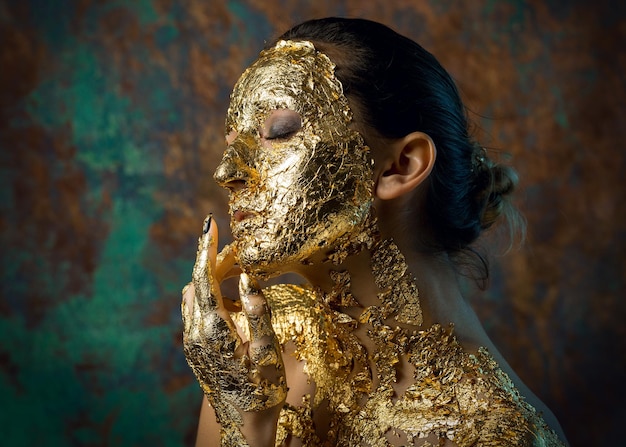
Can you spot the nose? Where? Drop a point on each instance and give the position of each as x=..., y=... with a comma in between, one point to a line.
x=235, y=170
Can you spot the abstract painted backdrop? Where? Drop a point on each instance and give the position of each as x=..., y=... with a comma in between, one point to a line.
x=111, y=124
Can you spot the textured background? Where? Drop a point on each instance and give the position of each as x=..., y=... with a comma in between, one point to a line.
x=111, y=126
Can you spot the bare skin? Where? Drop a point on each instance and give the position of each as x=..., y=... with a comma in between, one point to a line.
x=400, y=177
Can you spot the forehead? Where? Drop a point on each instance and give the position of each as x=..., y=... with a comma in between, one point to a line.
x=290, y=75
x=272, y=82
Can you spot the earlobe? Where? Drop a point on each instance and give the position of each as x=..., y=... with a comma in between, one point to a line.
x=409, y=163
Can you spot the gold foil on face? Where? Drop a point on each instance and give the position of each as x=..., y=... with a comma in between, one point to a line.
x=302, y=192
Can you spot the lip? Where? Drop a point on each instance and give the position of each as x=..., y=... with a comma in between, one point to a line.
x=245, y=223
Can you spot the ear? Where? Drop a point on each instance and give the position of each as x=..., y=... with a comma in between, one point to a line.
x=408, y=163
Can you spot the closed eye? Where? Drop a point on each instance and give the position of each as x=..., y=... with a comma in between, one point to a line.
x=282, y=124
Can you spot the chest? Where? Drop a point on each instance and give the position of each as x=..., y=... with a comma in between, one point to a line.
x=371, y=384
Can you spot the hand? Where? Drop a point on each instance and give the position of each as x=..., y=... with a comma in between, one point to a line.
x=244, y=381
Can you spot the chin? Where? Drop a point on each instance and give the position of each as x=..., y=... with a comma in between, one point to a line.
x=265, y=262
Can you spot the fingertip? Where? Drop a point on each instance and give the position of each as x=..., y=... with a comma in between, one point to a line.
x=252, y=298
x=248, y=285
x=188, y=297
x=209, y=226
x=186, y=288
x=183, y=310
x=207, y=223
x=207, y=245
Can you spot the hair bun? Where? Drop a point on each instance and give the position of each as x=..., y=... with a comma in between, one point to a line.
x=499, y=183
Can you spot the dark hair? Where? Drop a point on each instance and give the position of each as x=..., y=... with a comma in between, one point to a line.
x=397, y=87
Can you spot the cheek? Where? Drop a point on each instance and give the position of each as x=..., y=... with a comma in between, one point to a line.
x=285, y=167
x=288, y=198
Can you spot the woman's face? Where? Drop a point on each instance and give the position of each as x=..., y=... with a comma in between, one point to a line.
x=300, y=178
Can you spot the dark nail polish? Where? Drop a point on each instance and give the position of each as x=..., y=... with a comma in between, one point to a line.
x=207, y=224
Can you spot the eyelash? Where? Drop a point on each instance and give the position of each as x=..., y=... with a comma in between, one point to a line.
x=282, y=131
x=281, y=136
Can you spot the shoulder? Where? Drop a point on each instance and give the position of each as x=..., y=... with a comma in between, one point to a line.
x=482, y=395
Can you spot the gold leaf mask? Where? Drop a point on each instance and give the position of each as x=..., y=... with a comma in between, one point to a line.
x=300, y=177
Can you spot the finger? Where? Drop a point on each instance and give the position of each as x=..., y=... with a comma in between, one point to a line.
x=207, y=294
x=226, y=268
x=187, y=305
x=187, y=294
x=225, y=263
x=264, y=349
x=209, y=226
x=215, y=330
x=191, y=314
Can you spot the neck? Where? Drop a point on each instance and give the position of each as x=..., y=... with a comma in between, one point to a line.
x=405, y=288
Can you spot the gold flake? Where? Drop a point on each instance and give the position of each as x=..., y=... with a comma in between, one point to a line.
x=307, y=173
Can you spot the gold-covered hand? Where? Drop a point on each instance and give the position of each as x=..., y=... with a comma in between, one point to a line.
x=242, y=380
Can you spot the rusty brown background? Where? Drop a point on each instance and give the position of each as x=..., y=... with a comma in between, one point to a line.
x=112, y=124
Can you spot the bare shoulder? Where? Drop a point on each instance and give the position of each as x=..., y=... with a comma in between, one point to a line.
x=539, y=417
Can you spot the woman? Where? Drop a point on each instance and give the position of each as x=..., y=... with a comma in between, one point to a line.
x=349, y=163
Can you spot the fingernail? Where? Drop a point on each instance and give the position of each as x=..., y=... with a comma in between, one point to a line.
x=248, y=286
x=207, y=224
